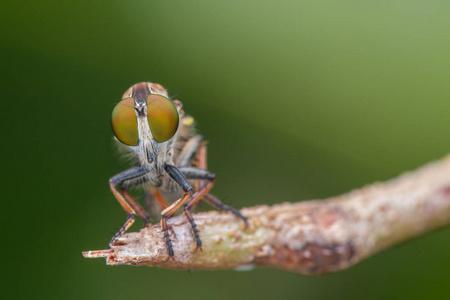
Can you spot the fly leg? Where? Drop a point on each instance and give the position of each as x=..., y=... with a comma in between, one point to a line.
x=220, y=205
x=130, y=205
x=202, y=156
x=168, y=212
x=196, y=173
x=160, y=199
x=154, y=203
x=137, y=207
x=180, y=175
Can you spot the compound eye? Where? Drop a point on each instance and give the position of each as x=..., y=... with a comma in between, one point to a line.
x=124, y=123
x=162, y=117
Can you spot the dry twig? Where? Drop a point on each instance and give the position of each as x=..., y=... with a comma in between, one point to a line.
x=310, y=237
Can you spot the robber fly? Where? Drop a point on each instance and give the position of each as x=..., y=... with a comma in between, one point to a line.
x=168, y=153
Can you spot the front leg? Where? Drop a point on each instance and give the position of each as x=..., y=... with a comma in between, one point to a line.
x=196, y=173
x=179, y=178
x=130, y=205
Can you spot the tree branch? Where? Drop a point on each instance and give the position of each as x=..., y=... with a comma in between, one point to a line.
x=310, y=237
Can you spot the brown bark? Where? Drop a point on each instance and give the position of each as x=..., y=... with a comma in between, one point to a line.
x=309, y=237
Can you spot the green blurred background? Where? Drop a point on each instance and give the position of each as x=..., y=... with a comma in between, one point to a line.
x=299, y=100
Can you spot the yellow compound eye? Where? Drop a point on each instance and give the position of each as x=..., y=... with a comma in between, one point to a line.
x=124, y=123
x=162, y=117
